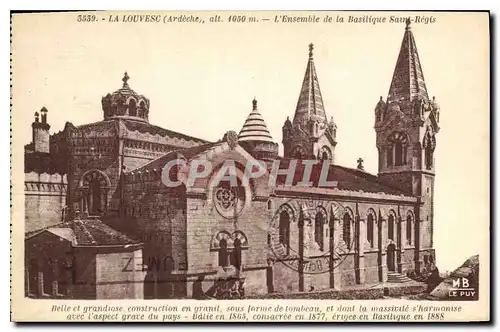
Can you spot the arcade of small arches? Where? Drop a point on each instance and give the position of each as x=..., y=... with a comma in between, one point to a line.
x=397, y=149
x=229, y=247
x=348, y=229
x=129, y=107
x=325, y=153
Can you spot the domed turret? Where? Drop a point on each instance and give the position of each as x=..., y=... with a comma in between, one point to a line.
x=125, y=103
x=255, y=137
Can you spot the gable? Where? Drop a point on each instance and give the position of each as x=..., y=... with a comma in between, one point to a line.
x=221, y=159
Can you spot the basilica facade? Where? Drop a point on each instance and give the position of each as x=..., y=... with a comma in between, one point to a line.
x=101, y=223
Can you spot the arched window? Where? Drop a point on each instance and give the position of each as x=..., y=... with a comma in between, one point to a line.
x=284, y=231
x=94, y=186
x=132, y=108
x=397, y=149
x=325, y=156
x=236, y=254
x=389, y=156
x=390, y=227
x=428, y=157
x=269, y=205
x=398, y=153
x=369, y=229
x=346, y=229
x=223, y=261
x=319, y=236
x=409, y=228
x=94, y=207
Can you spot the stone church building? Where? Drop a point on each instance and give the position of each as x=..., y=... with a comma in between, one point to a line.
x=101, y=223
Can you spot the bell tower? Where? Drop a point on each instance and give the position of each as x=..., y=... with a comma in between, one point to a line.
x=406, y=125
x=310, y=135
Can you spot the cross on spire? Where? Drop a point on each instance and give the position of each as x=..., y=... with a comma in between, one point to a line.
x=408, y=23
x=311, y=48
x=125, y=80
x=360, y=164
x=254, y=104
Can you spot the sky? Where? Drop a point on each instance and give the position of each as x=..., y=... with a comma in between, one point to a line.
x=201, y=79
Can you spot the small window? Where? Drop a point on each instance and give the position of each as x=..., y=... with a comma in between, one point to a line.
x=369, y=229
x=398, y=153
x=409, y=228
x=223, y=259
x=389, y=156
x=346, y=229
x=319, y=236
x=390, y=227
x=236, y=254
x=132, y=108
x=284, y=230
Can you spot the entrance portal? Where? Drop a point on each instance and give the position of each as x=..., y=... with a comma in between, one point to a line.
x=391, y=257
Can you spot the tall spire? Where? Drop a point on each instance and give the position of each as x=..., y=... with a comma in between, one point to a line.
x=310, y=103
x=408, y=79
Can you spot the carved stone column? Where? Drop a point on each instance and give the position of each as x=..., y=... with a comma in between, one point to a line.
x=361, y=249
x=401, y=241
x=331, y=249
x=39, y=279
x=382, y=247
x=55, y=276
x=301, y=252
x=337, y=229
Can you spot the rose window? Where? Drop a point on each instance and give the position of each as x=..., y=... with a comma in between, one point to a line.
x=229, y=200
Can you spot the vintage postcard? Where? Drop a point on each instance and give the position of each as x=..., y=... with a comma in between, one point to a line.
x=250, y=166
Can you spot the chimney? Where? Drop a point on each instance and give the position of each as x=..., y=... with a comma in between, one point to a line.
x=41, y=137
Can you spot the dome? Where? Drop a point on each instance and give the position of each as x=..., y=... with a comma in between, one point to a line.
x=255, y=129
x=125, y=103
x=255, y=137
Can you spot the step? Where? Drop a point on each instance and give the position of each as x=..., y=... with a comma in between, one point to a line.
x=394, y=277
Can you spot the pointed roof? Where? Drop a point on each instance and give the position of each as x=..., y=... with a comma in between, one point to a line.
x=255, y=129
x=310, y=101
x=408, y=79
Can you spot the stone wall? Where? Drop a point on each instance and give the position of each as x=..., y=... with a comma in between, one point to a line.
x=45, y=200
x=119, y=275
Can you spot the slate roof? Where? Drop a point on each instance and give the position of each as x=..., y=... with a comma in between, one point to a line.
x=408, y=78
x=144, y=127
x=347, y=178
x=188, y=153
x=310, y=99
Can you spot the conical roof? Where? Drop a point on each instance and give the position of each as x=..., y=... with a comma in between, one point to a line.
x=255, y=129
x=310, y=101
x=408, y=79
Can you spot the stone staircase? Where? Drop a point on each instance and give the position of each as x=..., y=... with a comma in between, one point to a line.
x=397, y=278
